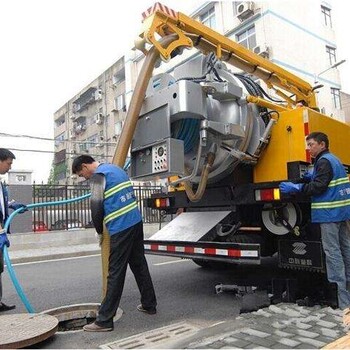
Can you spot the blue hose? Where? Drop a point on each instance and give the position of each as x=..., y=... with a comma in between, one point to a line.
x=10, y=269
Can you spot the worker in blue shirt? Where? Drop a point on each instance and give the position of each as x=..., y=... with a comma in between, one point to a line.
x=122, y=218
x=329, y=189
x=6, y=159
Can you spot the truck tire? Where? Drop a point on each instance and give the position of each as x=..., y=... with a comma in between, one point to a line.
x=203, y=263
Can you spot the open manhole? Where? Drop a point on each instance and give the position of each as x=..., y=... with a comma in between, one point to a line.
x=75, y=317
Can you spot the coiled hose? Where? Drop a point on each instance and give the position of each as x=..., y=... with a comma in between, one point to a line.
x=10, y=269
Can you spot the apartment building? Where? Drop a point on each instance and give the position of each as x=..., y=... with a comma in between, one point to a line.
x=302, y=41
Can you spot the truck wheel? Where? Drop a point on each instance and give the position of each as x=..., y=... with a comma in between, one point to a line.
x=203, y=263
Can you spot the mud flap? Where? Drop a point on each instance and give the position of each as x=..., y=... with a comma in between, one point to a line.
x=97, y=184
x=301, y=255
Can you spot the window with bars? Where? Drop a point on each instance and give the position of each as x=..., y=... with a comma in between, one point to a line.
x=327, y=18
x=208, y=18
x=59, y=140
x=247, y=38
x=331, y=55
x=92, y=141
x=336, y=98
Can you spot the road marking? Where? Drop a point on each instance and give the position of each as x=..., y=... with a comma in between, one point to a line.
x=170, y=262
x=54, y=260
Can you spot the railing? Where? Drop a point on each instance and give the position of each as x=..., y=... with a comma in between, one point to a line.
x=77, y=215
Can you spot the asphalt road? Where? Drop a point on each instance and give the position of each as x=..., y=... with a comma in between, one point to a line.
x=185, y=292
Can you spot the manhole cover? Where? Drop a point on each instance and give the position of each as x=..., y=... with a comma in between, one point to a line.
x=75, y=317
x=23, y=330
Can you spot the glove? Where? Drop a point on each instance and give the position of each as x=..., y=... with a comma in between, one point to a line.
x=16, y=206
x=308, y=175
x=289, y=187
x=4, y=240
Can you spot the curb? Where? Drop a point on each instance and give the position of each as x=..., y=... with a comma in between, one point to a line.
x=52, y=256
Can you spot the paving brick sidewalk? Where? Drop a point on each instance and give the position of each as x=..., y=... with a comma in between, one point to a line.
x=282, y=326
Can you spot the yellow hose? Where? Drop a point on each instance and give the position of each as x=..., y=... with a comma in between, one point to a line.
x=195, y=197
x=126, y=136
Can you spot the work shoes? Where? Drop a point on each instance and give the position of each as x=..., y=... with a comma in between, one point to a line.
x=93, y=327
x=4, y=307
x=150, y=311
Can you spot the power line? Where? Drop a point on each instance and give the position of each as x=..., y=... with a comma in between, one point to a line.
x=55, y=140
x=42, y=151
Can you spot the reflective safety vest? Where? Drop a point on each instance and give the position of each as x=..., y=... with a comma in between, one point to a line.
x=120, y=206
x=334, y=204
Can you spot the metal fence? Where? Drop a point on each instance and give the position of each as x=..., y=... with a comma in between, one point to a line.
x=77, y=215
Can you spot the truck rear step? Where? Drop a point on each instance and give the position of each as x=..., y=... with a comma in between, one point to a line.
x=217, y=251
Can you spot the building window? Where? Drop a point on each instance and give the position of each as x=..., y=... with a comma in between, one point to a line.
x=92, y=141
x=326, y=12
x=336, y=98
x=120, y=102
x=60, y=121
x=83, y=148
x=59, y=139
x=118, y=77
x=118, y=126
x=208, y=18
x=331, y=55
x=247, y=38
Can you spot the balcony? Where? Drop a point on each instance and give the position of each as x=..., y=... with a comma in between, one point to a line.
x=86, y=99
x=60, y=156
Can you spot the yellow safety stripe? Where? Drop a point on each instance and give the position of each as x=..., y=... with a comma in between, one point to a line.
x=330, y=205
x=340, y=181
x=120, y=212
x=117, y=188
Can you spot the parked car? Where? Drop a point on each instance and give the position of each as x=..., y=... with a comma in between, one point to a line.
x=69, y=224
x=39, y=226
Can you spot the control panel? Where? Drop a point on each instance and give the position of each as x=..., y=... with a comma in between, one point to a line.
x=163, y=158
x=159, y=158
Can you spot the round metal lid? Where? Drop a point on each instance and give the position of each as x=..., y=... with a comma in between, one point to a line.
x=24, y=330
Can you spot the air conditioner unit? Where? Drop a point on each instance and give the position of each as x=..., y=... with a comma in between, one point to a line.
x=98, y=94
x=99, y=145
x=99, y=118
x=245, y=10
x=72, y=117
x=71, y=134
x=262, y=50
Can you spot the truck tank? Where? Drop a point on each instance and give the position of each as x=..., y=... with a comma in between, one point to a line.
x=200, y=108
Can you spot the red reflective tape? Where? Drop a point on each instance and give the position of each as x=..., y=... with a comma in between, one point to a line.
x=307, y=155
x=189, y=250
x=306, y=133
x=159, y=7
x=234, y=252
x=154, y=247
x=210, y=251
x=170, y=248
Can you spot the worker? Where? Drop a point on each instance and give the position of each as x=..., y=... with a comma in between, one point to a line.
x=329, y=187
x=6, y=159
x=123, y=221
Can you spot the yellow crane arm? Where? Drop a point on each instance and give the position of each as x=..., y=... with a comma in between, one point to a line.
x=160, y=21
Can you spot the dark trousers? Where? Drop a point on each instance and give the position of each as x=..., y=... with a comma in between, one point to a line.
x=126, y=248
